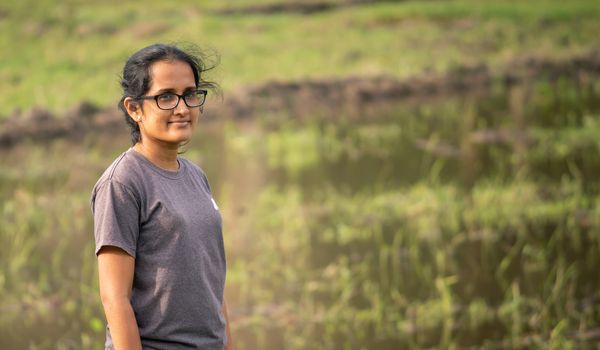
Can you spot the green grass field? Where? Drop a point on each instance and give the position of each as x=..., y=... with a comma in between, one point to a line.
x=56, y=54
x=341, y=232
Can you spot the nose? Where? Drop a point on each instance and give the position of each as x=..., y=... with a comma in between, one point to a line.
x=181, y=107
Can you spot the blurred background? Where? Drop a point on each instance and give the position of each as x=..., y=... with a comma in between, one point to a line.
x=391, y=174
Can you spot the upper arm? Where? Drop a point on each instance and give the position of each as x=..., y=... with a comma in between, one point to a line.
x=116, y=210
x=115, y=270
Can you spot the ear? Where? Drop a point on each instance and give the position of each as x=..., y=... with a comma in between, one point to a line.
x=134, y=109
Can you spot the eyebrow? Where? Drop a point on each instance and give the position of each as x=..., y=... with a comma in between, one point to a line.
x=162, y=91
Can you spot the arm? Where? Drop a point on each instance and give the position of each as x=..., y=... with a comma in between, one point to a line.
x=229, y=345
x=115, y=270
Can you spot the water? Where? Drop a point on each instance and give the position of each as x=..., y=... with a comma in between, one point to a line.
x=541, y=130
x=401, y=227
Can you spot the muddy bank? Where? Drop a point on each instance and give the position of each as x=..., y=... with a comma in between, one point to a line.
x=305, y=8
x=352, y=97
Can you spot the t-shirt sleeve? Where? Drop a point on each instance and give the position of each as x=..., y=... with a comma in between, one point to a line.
x=205, y=180
x=116, y=217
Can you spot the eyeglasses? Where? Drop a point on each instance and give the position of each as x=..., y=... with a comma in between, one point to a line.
x=170, y=100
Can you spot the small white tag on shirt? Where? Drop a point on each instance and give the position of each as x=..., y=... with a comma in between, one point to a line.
x=214, y=203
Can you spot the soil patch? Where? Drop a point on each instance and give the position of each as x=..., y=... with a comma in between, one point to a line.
x=352, y=97
x=305, y=8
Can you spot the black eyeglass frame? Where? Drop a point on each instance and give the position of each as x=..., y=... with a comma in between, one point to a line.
x=179, y=97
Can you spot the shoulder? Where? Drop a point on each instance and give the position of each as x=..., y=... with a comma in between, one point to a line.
x=125, y=171
x=192, y=167
x=195, y=171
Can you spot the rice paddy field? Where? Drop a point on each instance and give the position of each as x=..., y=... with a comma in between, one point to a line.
x=465, y=219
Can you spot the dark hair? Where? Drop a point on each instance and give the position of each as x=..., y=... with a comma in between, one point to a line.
x=136, y=78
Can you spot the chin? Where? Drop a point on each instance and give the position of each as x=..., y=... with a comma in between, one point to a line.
x=182, y=138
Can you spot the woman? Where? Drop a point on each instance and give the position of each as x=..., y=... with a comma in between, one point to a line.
x=161, y=259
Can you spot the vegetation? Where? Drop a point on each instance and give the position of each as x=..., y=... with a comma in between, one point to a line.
x=466, y=221
x=55, y=53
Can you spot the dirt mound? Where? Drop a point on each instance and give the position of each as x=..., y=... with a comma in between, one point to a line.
x=306, y=8
x=353, y=96
x=40, y=125
x=348, y=95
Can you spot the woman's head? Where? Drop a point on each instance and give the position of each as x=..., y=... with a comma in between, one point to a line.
x=138, y=79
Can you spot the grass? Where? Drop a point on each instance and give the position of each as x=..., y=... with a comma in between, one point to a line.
x=343, y=234
x=423, y=267
x=340, y=232
x=55, y=54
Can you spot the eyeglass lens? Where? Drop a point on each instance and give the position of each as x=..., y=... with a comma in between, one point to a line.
x=170, y=101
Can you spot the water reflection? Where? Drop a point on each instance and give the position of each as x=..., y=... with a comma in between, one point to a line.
x=431, y=221
x=437, y=220
x=541, y=130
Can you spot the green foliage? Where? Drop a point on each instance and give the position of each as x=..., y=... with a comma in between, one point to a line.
x=54, y=53
x=467, y=222
x=48, y=274
x=344, y=235
x=414, y=266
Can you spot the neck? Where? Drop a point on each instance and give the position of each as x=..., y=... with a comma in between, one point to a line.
x=162, y=157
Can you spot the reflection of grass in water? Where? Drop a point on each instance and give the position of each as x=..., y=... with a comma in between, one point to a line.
x=430, y=263
x=424, y=266
x=296, y=149
x=431, y=139
x=48, y=278
x=56, y=55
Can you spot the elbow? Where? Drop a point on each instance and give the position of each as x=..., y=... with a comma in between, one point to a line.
x=112, y=302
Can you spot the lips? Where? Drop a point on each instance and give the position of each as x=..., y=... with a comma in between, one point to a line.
x=180, y=122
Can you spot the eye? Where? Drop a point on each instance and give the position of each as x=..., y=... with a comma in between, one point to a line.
x=191, y=96
x=167, y=97
x=191, y=93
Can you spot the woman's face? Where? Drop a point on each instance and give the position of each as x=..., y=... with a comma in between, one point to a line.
x=168, y=127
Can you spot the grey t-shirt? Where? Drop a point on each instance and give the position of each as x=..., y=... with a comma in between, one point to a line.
x=169, y=222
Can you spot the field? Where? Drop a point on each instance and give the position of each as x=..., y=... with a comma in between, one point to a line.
x=463, y=217
x=54, y=54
